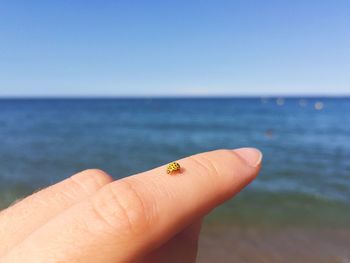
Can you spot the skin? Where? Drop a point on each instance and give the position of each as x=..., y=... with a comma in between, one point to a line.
x=147, y=217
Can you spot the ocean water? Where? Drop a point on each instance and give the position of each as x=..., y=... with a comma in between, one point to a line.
x=305, y=178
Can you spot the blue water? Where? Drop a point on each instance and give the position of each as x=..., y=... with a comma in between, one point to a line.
x=306, y=170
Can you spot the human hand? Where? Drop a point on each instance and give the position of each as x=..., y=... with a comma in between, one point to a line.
x=148, y=217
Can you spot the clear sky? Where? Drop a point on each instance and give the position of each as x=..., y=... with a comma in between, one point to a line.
x=137, y=48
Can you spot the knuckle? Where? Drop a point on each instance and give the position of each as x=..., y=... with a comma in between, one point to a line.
x=99, y=175
x=217, y=163
x=225, y=153
x=91, y=179
x=226, y=156
x=205, y=165
x=121, y=208
x=232, y=158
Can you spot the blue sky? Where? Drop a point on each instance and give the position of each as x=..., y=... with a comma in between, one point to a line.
x=138, y=48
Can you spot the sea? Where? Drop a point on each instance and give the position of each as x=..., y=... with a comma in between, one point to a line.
x=305, y=179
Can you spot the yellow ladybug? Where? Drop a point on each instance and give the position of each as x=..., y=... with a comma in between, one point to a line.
x=173, y=167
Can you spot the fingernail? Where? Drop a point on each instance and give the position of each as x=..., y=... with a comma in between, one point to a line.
x=251, y=156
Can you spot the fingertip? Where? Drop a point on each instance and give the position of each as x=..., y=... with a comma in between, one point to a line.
x=251, y=156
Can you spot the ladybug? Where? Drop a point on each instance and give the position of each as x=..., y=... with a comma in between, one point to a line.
x=173, y=167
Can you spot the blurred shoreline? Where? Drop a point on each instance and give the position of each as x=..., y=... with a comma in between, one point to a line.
x=226, y=244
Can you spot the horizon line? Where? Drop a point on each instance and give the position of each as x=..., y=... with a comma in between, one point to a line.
x=228, y=96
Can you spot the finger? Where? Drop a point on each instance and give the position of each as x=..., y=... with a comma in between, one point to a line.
x=128, y=218
x=25, y=216
x=180, y=248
